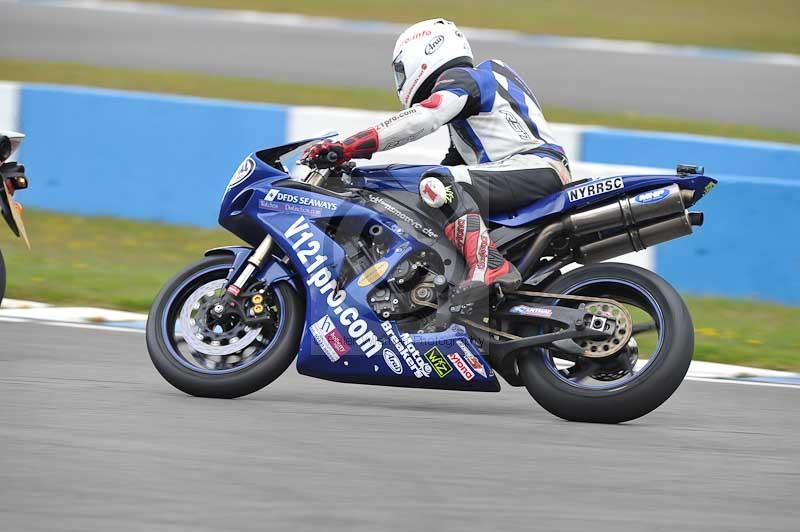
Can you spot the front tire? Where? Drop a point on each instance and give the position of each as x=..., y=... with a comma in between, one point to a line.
x=195, y=373
x=631, y=395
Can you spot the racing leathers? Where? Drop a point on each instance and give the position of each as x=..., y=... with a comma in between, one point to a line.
x=502, y=156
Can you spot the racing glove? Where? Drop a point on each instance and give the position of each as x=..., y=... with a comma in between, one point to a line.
x=326, y=154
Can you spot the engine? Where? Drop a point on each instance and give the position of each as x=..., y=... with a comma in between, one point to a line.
x=411, y=289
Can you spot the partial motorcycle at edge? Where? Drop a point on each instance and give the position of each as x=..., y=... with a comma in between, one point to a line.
x=12, y=175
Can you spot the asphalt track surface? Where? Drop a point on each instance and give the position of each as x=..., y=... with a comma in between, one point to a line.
x=696, y=87
x=92, y=438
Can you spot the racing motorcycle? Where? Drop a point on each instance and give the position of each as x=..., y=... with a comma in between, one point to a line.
x=12, y=176
x=347, y=271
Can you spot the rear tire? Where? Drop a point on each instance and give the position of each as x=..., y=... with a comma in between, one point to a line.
x=268, y=367
x=646, y=390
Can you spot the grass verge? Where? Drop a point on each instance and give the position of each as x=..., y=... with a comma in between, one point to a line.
x=122, y=264
x=769, y=25
x=260, y=90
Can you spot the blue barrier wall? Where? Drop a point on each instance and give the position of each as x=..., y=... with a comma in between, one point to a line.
x=749, y=245
x=138, y=155
x=665, y=150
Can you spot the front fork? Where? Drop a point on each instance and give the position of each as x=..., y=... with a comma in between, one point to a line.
x=254, y=263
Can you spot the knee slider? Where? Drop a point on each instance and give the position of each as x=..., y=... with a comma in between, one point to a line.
x=435, y=189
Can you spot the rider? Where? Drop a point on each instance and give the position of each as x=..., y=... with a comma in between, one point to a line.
x=502, y=153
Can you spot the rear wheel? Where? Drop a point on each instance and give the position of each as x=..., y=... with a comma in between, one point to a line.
x=205, y=350
x=639, y=377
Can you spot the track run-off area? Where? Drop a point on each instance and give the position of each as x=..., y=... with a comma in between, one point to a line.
x=94, y=438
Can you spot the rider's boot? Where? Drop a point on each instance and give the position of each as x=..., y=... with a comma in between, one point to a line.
x=467, y=231
x=487, y=267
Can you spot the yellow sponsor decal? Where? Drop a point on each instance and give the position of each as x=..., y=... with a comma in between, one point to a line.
x=373, y=273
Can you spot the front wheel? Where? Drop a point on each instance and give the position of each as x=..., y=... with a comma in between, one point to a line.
x=204, y=350
x=639, y=377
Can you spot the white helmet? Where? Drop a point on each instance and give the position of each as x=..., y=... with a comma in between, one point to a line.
x=422, y=53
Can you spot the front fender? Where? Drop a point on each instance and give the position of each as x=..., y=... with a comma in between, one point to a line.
x=271, y=272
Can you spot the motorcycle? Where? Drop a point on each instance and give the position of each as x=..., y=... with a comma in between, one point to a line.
x=12, y=178
x=348, y=272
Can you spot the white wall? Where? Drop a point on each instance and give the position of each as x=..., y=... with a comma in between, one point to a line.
x=9, y=106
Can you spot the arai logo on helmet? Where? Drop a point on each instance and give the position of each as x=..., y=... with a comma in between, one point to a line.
x=652, y=196
x=434, y=44
x=243, y=172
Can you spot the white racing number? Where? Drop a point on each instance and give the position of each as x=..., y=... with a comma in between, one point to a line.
x=320, y=278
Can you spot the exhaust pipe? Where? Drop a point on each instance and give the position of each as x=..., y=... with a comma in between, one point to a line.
x=626, y=213
x=630, y=210
x=639, y=238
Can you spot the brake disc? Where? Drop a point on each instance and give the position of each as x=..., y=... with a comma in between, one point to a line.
x=208, y=340
x=612, y=320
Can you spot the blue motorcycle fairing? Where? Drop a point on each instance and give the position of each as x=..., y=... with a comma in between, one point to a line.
x=392, y=176
x=569, y=200
x=343, y=339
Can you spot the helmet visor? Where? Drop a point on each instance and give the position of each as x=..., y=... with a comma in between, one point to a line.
x=399, y=73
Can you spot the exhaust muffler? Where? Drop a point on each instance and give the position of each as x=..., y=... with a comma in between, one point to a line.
x=639, y=238
x=630, y=210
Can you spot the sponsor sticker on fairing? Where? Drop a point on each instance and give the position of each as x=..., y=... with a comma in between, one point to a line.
x=405, y=346
x=388, y=207
x=373, y=273
x=651, y=196
x=473, y=361
x=392, y=361
x=329, y=339
x=438, y=362
x=461, y=366
x=275, y=200
x=600, y=186
x=320, y=279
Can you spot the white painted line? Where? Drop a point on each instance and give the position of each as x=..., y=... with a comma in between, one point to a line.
x=747, y=383
x=312, y=23
x=89, y=326
x=715, y=370
x=13, y=320
x=73, y=314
